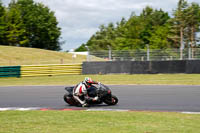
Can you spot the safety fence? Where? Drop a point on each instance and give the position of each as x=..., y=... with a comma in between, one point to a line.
x=142, y=67
x=10, y=71
x=50, y=70
x=145, y=54
x=40, y=70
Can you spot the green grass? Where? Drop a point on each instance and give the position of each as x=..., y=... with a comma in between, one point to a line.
x=10, y=56
x=117, y=79
x=97, y=122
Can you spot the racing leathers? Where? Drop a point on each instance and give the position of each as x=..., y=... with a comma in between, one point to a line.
x=80, y=93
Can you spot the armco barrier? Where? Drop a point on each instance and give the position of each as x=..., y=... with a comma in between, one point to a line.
x=10, y=71
x=142, y=67
x=49, y=70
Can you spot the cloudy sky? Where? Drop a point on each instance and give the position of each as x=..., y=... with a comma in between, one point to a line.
x=79, y=19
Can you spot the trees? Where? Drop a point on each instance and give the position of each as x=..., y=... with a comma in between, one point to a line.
x=81, y=48
x=15, y=27
x=154, y=27
x=186, y=24
x=29, y=24
x=2, y=25
x=134, y=33
x=40, y=24
x=193, y=23
x=103, y=38
x=179, y=21
x=159, y=37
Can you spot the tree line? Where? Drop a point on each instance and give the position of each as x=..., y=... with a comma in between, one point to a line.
x=153, y=27
x=29, y=24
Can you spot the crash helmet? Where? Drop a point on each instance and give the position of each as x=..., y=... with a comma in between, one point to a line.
x=88, y=81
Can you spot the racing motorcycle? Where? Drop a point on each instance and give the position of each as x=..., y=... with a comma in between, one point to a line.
x=102, y=91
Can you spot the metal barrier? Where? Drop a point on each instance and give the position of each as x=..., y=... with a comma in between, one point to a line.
x=10, y=71
x=50, y=70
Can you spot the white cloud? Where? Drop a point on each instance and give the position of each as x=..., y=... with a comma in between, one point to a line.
x=79, y=19
x=81, y=33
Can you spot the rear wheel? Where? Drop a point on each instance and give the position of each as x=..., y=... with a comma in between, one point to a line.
x=112, y=101
x=68, y=99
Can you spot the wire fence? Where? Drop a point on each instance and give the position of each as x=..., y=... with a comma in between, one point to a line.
x=145, y=55
x=111, y=55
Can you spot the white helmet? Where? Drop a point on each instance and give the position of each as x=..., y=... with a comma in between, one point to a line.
x=88, y=81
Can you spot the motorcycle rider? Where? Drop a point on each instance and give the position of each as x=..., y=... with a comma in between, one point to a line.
x=80, y=91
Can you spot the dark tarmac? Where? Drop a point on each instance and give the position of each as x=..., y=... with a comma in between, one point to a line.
x=131, y=97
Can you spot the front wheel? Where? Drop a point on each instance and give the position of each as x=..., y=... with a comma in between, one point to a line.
x=112, y=101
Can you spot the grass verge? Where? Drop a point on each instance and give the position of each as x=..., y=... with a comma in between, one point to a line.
x=101, y=122
x=117, y=79
x=30, y=56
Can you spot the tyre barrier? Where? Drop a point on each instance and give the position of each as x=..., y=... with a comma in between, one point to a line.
x=40, y=70
x=10, y=71
x=50, y=70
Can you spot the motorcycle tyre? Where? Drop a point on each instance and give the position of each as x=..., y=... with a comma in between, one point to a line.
x=114, y=100
x=67, y=99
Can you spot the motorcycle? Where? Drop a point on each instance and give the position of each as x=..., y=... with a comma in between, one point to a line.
x=102, y=91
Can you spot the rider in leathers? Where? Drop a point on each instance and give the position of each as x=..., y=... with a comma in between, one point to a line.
x=80, y=91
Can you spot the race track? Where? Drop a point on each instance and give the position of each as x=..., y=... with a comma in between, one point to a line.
x=131, y=97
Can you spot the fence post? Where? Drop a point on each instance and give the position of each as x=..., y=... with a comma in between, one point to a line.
x=148, y=58
x=181, y=53
x=181, y=50
x=189, y=53
x=109, y=53
x=88, y=54
x=192, y=53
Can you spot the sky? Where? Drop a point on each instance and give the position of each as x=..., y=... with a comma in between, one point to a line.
x=80, y=19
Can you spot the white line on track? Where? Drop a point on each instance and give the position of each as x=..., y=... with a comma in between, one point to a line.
x=94, y=109
x=20, y=109
x=106, y=110
x=190, y=112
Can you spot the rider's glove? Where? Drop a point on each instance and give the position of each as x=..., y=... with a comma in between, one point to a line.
x=96, y=98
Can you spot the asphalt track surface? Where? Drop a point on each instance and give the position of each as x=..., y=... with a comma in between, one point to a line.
x=131, y=97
